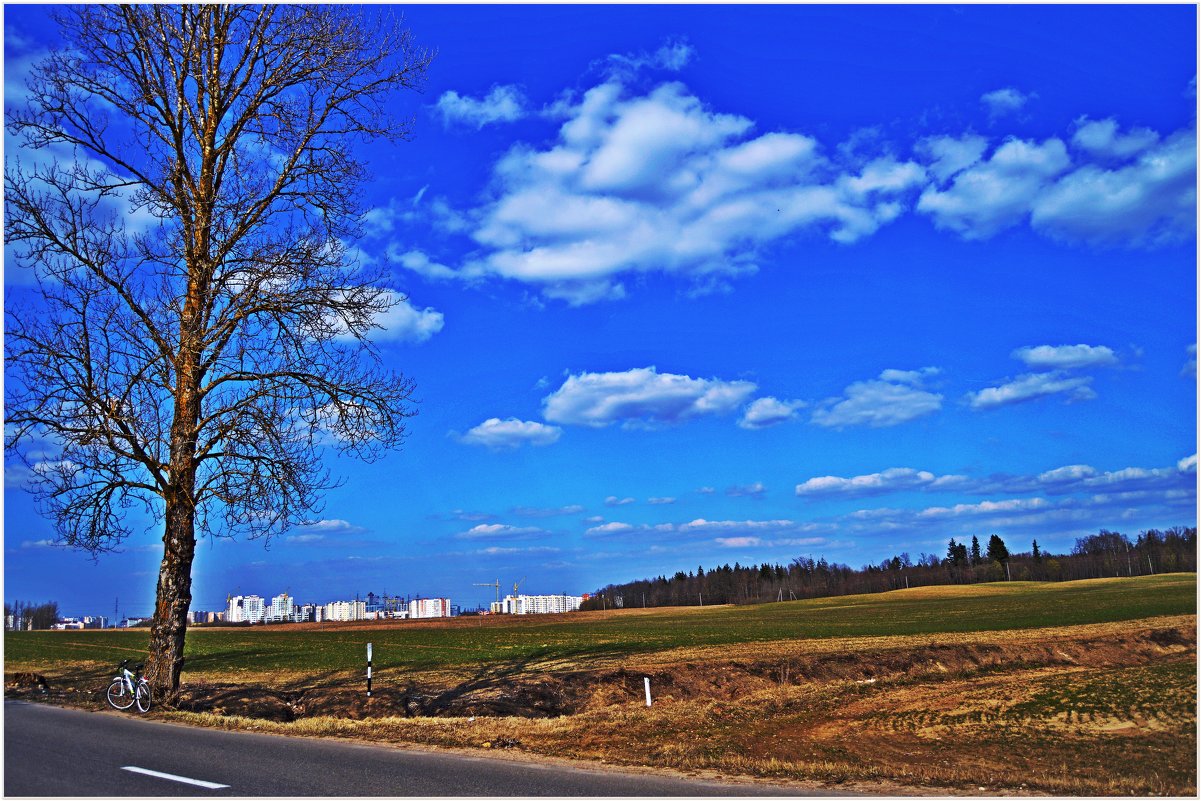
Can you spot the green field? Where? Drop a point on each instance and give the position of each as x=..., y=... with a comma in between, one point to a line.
x=576, y=638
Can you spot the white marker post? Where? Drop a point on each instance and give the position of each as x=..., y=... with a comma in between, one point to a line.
x=368, y=670
x=646, y=682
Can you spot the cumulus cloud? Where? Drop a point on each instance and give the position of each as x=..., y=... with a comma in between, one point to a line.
x=660, y=182
x=613, y=500
x=738, y=542
x=703, y=526
x=1066, y=356
x=486, y=531
x=998, y=193
x=641, y=396
x=511, y=433
x=1152, y=200
x=949, y=155
x=672, y=56
x=755, y=490
x=1004, y=101
x=984, y=508
x=420, y=263
x=896, y=397
x=767, y=412
x=1101, y=138
x=407, y=323
x=1031, y=386
x=660, y=501
x=1188, y=464
x=894, y=479
x=501, y=104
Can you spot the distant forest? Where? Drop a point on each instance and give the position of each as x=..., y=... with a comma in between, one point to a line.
x=1107, y=553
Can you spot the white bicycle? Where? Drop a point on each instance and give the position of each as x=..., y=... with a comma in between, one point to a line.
x=129, y=688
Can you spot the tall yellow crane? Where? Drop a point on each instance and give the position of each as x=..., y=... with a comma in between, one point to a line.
x=495, y=584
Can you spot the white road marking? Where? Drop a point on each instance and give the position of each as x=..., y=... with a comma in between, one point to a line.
x=174, y=778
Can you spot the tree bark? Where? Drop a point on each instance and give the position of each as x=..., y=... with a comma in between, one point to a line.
x=174, y=597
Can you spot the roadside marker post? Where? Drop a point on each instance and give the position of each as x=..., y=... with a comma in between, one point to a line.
x=646, y=681
x=368, y=670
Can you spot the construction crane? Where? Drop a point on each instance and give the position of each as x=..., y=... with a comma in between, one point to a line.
x=495, y=584
x=517, y=584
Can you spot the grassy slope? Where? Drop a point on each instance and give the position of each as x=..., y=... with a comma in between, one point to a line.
x=588, y=636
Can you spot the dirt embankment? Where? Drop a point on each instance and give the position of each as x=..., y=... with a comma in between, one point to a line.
x=501, y=690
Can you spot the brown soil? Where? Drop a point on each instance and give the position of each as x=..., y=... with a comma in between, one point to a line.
x=989, y=712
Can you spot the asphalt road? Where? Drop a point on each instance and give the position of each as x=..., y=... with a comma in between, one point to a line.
x=50, y=751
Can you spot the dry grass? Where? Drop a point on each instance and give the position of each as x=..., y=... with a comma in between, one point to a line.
x=889, y=695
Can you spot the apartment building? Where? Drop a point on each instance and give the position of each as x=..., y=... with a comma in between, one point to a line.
x=281, y=609
x=345, y=611
x=540, y=604
x=245, y=609
x=429, y=607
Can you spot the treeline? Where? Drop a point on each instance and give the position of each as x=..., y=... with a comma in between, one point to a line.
x=24, y=616
x=1107, y=553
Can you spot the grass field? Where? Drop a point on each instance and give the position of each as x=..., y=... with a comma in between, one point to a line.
x=1074, y=688
x=605, y=637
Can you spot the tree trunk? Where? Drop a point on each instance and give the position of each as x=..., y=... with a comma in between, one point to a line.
x=173, y=599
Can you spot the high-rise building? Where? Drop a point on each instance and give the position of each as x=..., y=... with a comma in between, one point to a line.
x=540, y=604
x=346, y=610
x=280, y=610
x=244, y=609
x=429, y=607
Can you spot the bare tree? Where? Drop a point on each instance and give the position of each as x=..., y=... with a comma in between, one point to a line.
x=201, y=331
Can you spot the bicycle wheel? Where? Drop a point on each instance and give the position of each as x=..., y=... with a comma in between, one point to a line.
x=142, y=696
x=118, y=695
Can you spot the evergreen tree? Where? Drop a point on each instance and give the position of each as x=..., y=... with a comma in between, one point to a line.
x=975, y=550
x=996, y=549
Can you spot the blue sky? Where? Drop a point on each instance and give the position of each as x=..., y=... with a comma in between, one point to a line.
x=697, y=285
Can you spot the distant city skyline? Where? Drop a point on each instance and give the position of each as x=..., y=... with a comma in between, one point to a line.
x=690, y=286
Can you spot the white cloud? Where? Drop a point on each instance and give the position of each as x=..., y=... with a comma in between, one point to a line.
x=660, y=501
x=334, y=526
x=672, y=56
x=1101, y=138
x=613, y=500
x=1188, y=464
x=703, y=526
x=641, y=397
x=895, y=397
x=40, y=544
x=511, y=433
x=659, y=182
x=738, y=542
x=984, y=508
x=767, y=412
x=1066, y=356
x=1190, y=366
x=894, y=479
x=420, y=263
x=407, y=323
x=1072, y=472
x=558, y=511
x=501, y=104
x=1004, y=101
x=499, y=531
x=755, y=490
x=996, y=194
x=611, y=528
x=1152, y=200
x=498, y=551
x=1031, y=386
x=949, y=155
